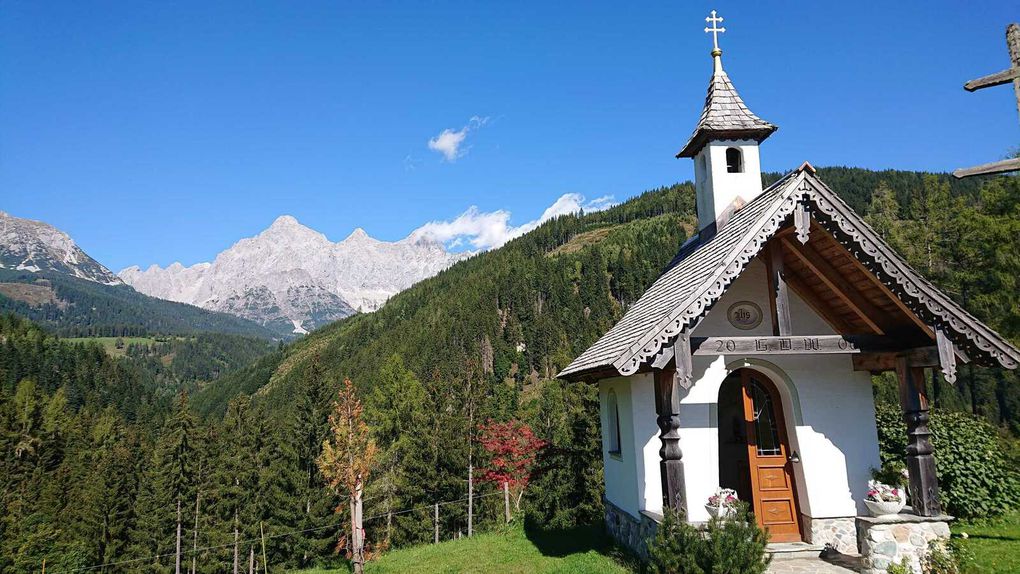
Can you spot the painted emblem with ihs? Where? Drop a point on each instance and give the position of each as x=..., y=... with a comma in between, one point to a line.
x=744, y=315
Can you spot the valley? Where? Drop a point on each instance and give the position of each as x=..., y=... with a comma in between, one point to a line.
x=239, y=421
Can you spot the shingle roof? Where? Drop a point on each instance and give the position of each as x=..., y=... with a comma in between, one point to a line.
x=689, y=287
x=725, y=117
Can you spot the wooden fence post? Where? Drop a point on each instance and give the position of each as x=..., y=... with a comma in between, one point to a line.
x=471, y=500
x=437, y=524
x=506, y=500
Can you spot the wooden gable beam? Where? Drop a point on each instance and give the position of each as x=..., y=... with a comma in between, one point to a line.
x=779, y=299
x=878, y=362
x=895, y=299
x=947, y=355
x=872, y=316
x=802, y=222
x=817, y=304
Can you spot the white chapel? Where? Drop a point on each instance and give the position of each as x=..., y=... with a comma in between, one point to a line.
x=747, y=364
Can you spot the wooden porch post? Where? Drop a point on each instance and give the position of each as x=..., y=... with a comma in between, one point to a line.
x=671, y=468
x=924, y=484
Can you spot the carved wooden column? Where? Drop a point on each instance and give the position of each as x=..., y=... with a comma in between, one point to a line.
x=667, y=407
x=924, y=484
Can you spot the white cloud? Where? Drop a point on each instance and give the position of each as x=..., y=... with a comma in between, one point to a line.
x=489, y=230
x=449, y=141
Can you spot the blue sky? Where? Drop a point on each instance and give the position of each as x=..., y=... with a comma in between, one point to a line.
x=157, y=132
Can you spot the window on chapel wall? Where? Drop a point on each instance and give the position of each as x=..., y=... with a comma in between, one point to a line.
x=614, y=423
x=734, y=160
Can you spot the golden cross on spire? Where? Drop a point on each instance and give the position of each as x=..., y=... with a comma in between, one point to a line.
x=715, y=30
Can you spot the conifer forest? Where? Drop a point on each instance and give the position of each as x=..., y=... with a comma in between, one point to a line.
x=211, y=441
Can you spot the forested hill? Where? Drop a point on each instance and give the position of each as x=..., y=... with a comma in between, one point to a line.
x=520, y=313
x=90, y=474
x=74, y=307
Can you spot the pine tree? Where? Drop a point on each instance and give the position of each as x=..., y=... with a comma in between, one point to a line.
x=395, y=409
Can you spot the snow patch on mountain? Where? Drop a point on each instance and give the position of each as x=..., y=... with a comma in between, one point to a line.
x=290, y=276
x=34, y=246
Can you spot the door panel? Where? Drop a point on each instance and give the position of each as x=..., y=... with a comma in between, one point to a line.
x=768, y=448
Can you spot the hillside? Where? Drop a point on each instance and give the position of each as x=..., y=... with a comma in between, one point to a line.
x=91, y=440
x=523, y=311
x=75, y=307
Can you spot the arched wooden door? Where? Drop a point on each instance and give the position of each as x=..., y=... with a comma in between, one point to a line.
x=768, y=451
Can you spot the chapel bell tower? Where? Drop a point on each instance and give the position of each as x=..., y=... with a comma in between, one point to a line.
x=724, y=145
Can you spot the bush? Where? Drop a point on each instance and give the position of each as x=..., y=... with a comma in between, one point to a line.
x=734, y=546
x=945, y=557
x=903, y=567
x=975, y=479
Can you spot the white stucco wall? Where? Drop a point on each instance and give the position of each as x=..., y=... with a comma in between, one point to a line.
x=716, y=188
x=828, y=409
x=627, y=484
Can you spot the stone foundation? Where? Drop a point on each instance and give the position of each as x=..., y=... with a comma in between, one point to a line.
x=886, y=540
x=630, y=532
x=839, y=533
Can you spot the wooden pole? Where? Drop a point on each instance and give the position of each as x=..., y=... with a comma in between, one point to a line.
x=265, y=563
x=43, y=566
x=506, y=500
x=436, y=523
x=920, y=460
x=251, y=560
x=671, y=468
x=471, y=498
x=177, y=558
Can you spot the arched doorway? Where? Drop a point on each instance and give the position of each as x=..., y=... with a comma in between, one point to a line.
x=755, y=457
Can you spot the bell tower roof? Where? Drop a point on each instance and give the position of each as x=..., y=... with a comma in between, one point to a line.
x=725, y=115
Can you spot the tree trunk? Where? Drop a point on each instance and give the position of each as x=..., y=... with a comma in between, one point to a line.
x=194, y=545
x=357, y=532
x=251, y=560
x=237, y=556
x=265, y=561
x=177, y=559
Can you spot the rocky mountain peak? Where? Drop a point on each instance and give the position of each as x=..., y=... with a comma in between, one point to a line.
x=34, y=246
x=293, y=277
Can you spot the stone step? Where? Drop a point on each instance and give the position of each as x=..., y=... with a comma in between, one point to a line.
x=793, y=550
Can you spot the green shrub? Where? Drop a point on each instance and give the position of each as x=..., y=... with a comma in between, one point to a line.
x=902, y=568
x=945, y=557
x=975, y=478
x=733, y=546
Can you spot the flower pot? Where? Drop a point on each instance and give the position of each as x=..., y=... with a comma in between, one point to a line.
x=720, y=511
x=884, y=508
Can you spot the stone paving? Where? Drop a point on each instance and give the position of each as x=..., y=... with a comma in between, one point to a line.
x=837, y=565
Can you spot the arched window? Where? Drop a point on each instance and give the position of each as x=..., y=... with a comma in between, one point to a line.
x=614, y=423
x=734, y=160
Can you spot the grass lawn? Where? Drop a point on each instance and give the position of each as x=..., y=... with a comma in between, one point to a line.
x=516, y=551
x=995, y=544
x=110, y=343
